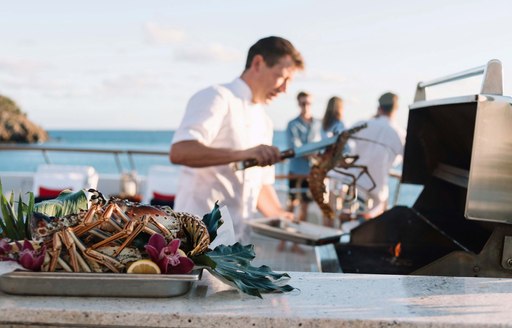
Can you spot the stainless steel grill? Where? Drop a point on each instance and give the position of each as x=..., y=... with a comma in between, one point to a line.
x=460, y=150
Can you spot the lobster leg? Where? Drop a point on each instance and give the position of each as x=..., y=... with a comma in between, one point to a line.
x=69, y=243
x=55, y=250
x=167, y=234
x=136, y=231
x=109, y=262
x=352, y=185
x=130, y=231
x=88, y=223
x=66, y=238
x=364, y=170
x=118, y=213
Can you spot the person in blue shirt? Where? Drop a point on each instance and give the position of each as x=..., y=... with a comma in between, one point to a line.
x=301, y=130
x=332, y=123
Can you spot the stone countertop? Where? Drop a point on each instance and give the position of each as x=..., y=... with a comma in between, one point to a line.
x=322, y=300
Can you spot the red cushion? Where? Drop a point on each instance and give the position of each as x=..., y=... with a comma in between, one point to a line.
x=163, y=197
x=50, y=193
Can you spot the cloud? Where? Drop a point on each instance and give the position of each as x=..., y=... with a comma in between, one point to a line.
x=128, y=84
x=21, y=66
x=32, y=84
x=323, y=77
x=157, y=34
x=213, y=53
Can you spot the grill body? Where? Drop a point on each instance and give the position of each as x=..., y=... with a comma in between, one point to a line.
x=460, y=150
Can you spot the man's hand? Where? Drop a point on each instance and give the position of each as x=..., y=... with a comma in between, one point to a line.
x=265, y=155
x=288, y=216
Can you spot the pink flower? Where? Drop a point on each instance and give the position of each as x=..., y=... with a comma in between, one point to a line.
x=5, y=250
x=29, y=258
x=167, y=256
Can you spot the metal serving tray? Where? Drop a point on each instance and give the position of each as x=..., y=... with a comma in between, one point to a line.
x=302, y=233
x=97, y=284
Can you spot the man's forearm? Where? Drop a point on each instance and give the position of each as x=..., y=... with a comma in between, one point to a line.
x=268, y=202
x=194, y=154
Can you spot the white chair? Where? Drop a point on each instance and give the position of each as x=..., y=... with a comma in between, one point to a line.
x=51, y=179
x=160, y=182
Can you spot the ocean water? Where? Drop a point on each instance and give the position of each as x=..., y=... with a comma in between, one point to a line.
x=104, y=139
x=27, y=161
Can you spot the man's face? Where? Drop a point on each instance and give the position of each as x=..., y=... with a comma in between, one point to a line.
x=273, y=80
x=305, y=106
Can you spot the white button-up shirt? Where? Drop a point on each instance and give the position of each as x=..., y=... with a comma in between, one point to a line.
x=224, y=116
x=382, y=149
x=380, y=146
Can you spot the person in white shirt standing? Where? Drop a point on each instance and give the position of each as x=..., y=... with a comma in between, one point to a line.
x=225, y=124
x=380, y=146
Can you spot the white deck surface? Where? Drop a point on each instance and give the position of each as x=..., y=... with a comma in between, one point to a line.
x=321, y=300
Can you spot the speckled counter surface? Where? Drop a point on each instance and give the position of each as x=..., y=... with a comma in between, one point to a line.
x=323, y=300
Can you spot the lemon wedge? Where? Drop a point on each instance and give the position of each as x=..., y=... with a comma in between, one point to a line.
x=143, y=267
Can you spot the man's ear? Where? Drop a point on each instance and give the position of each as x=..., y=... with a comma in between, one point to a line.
x=257, y=62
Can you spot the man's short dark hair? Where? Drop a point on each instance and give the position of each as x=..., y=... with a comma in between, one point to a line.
x=387, y=102
x=302, y=94
x=272, y=49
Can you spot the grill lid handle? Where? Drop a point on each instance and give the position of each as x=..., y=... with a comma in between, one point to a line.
x=492, y=82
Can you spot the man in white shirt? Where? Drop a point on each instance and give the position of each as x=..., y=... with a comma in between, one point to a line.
x=225, y=124
x=380, y=147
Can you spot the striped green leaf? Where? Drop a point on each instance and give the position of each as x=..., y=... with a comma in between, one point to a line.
x=67, y=202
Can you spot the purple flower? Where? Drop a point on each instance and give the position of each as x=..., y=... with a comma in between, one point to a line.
x=5, y=250
x=29, y=258
x=168, y=256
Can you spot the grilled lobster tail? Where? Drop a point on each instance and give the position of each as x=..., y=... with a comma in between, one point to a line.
x=332, y=157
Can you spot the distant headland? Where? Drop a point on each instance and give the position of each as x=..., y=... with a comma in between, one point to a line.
x=15, y=127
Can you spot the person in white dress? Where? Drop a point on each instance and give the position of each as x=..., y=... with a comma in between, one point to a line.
x=225, y=124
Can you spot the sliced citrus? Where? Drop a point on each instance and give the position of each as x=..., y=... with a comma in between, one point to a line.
x=143, y=267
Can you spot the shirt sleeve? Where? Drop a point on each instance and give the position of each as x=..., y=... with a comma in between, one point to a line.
x=203, y=118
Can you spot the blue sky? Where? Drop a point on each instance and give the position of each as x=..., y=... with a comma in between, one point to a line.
x=134, y=64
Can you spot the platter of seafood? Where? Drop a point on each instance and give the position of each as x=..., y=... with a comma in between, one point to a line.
x=83, y=244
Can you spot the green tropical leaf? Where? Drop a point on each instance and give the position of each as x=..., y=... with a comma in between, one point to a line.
x=30, y=209
x=8, y=219
x=204, y=260
x=3, y=233
x=213, y=221
x=14, y=220
x=67, y=202
x=233, y=266
x=20, y=224
x=6, y=231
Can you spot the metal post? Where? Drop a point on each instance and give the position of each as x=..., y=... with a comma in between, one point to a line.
x=118, y=163
x=46, y=157
x=131, y=161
